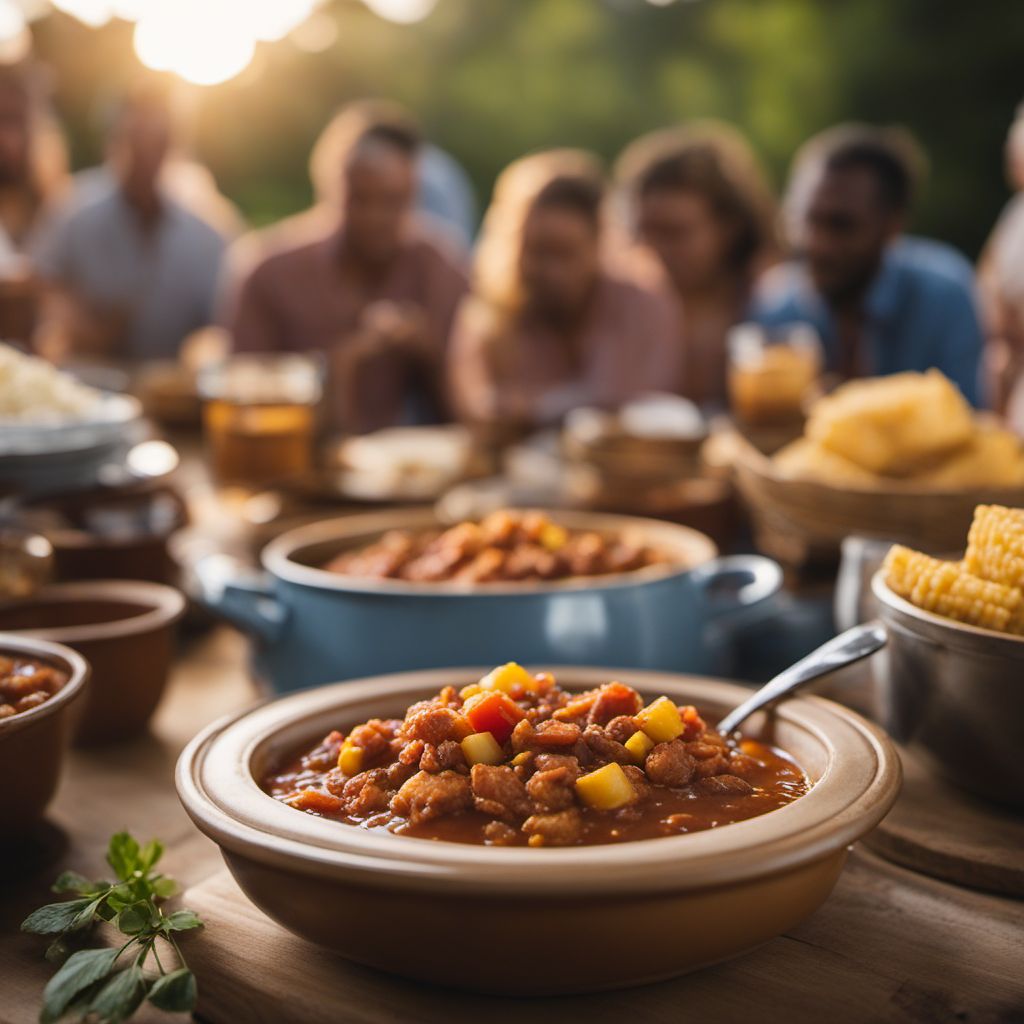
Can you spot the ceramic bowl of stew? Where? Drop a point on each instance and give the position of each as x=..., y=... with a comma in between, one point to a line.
x=124, y=628
x=312, y=625
x=41, y=686
x=620, y=910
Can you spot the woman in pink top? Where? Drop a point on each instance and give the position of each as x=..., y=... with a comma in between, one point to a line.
x=548, y=327
x=359, y=278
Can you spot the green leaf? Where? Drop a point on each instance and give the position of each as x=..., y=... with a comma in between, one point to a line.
x=72, y=881
x=54, y=917
x=175, y=992
x=133, y=919
x=57, y=951
x=182, y=921
x=164, y=887
x=150, y=854
x=120, y=997
x=123, y=855
x=86, y=915
x=80, y=970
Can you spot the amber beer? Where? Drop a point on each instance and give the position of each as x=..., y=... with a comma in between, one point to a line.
x=768, y=382
x=260, y=418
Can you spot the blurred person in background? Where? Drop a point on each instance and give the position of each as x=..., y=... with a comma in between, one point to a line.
x=360, y=278
x=1001, y=280
x=130, y=272
x=33, y=176
x=697, y=201
x=548, y=326
x=882, y=301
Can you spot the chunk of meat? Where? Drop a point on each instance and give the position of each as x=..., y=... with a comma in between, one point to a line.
x=641, y=784
x=435, y=725
x=621, y=727
x=498, y=791
x=555, y=734
x=604, y=747
x=442, y=757
x=562, y=828
x=612, y=701
x=546, y=762
x=374, y=737
x=725, y=785
x=365, y=793
x=522, y=736
x=497, y=833
x=709, y=766
x=553, y=790
x=669, y=764
x=412, y=752
x=427, y=796
x=324, y=756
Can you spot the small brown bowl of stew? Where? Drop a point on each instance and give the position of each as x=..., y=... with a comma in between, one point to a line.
x=40, y=684
x=598, y=812
x=126, y=630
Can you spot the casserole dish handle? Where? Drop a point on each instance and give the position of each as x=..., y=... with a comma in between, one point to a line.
x=240, y=594
x=734, y=582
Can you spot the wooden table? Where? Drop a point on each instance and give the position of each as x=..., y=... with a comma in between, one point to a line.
x=889, y=945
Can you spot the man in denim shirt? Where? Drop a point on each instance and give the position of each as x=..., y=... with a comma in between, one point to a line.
x=882, y=302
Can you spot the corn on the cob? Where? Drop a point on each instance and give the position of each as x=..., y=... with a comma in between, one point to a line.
x=948, y=589
x=995, y=545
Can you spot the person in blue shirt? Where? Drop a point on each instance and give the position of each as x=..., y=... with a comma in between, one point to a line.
x=882, y=302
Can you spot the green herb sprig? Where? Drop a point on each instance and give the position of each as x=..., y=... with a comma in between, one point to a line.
x=107, y=985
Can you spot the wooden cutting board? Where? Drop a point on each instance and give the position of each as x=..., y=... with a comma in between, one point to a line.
x=936, y=829
x=888, y=946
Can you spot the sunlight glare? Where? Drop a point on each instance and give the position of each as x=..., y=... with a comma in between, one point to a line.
x=203, y=42
x=15, y=41
x=405, y=12
x=93, y=13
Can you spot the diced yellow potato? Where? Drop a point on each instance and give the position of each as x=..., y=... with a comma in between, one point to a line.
x=661, y=720
x=470, y=691
x=350, y=759
x=639, y=745
x=553, y=536
x=607, y=788
x=508, y=676
x=482, y=748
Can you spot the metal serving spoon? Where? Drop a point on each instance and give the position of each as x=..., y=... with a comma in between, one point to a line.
x=842, y=650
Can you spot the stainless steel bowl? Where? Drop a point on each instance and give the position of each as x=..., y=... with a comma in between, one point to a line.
x=955, y=693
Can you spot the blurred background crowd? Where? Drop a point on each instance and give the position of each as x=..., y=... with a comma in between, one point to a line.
x=493, y=240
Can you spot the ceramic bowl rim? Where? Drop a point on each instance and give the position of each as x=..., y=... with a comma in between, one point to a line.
x=277, y=555
x=77, y=667
x=162, y=605
x=216, y=787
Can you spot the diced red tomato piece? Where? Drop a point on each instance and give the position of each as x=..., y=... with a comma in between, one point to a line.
x=495, y=713
x=693, y=724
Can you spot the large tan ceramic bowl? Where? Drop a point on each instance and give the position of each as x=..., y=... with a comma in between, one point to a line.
x=32, y=743
x=529, y=921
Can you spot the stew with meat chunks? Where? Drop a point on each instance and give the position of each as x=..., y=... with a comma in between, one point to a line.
x=25, y=683
x=516, y=760
x=504, y=547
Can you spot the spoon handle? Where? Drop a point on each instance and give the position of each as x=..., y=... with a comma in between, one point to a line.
x=841, y=650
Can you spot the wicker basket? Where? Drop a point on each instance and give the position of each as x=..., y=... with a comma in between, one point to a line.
x=799, y=521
